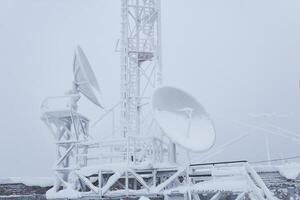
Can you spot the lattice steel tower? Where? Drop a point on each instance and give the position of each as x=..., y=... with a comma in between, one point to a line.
x=140, y=60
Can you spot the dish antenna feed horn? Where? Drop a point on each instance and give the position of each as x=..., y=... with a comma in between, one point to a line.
x=183, y=120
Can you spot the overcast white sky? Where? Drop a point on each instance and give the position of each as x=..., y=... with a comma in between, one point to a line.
x=238, y=57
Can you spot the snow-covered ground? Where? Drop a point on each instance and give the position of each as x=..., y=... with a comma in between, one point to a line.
x=290, y=171
x=29, y=181
x=69, y=193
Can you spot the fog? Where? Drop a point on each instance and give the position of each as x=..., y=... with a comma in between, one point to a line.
x=241, y=59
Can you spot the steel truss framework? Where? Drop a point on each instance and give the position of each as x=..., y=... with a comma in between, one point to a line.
x=179, y=182
x=130, y=180
x=141, y=73
x=140, y=61
x=70, y=130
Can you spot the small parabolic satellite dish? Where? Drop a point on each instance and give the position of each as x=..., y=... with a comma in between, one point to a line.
x=84, y=78
x=183, y=119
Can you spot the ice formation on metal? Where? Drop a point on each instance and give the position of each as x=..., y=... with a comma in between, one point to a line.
x=132, y=163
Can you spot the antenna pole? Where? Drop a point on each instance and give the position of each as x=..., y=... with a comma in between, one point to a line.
x=172, y=152
x=141, y=70
x=267, y=143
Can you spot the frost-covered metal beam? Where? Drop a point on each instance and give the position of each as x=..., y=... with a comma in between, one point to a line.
x=139, y=179
x=61, y=181
x=111, y=181
x=66, y=153
x=217, y=196
x=164, y=184
x=240, y=196
x=87, y=182
x=259, y=182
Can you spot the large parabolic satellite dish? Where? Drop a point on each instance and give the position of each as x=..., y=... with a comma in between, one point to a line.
x=183, y=119
x=84, y=78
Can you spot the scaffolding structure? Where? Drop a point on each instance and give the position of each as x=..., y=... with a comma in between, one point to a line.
x=141, y=69
x=134, y=164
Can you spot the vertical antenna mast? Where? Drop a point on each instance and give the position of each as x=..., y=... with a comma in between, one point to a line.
x=141, y=70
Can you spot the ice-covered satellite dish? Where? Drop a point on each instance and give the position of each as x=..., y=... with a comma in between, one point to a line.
x=183, y=119
x=84, y=78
